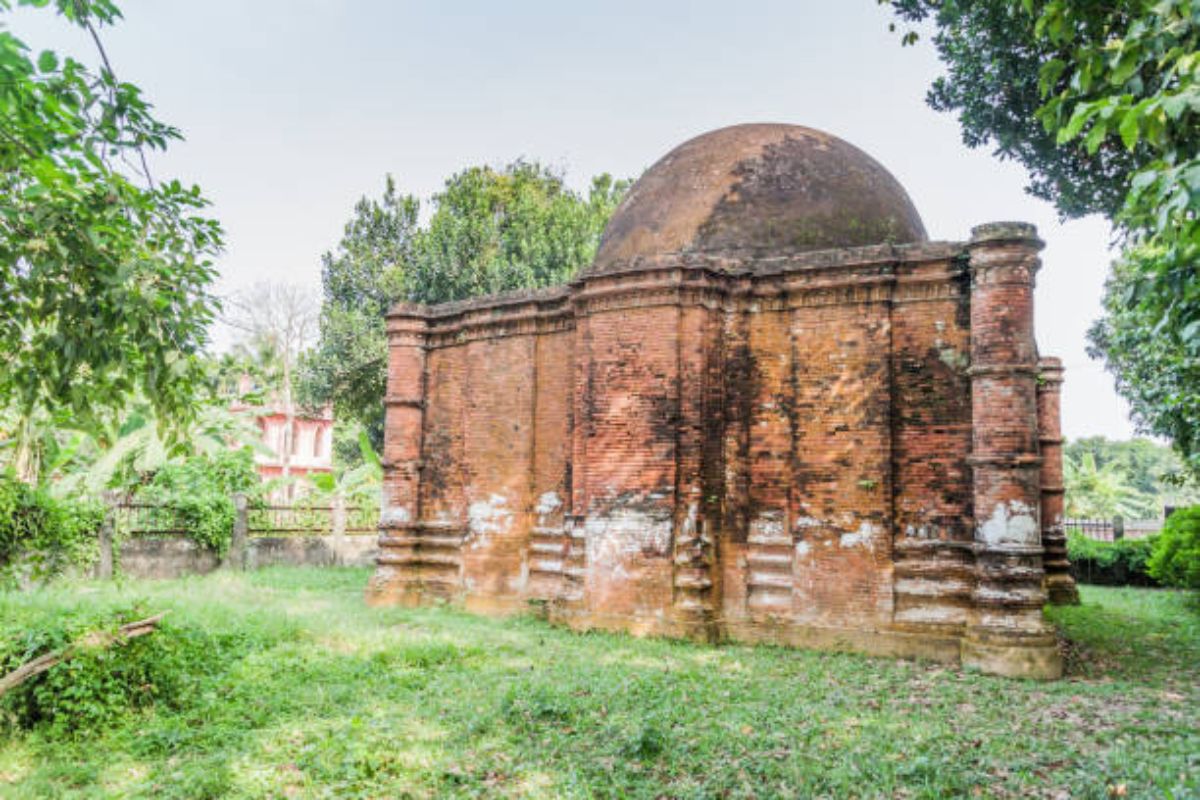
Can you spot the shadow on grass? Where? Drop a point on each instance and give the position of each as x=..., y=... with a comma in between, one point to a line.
x=337, y=699
x=1146, y=636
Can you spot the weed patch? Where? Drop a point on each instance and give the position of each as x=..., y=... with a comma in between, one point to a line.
x=294, y=688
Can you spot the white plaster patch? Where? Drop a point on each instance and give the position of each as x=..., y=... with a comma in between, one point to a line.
x=623, y=535
x=487, y=517
x=395, y=515
x=931, y=613
x=768, y=528
x=548, y=503
x=807, y=522
x=1011, y=523
x=803, y=548
x=861, y=537
x=925, y=587
x=688, y=530
x=922, y=531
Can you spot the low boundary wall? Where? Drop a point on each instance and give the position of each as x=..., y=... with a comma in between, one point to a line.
x=176, y=556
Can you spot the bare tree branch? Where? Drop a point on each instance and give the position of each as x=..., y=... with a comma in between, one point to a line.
x=37, y=666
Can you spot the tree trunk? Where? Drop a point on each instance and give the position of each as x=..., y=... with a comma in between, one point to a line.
x=25, y=459
x=289, y=416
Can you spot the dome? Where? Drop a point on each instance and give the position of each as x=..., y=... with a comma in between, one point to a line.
x=759, y=190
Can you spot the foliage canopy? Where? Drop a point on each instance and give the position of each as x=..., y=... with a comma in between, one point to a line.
x=1176, y=558
x=104, y=273
x=200, y=491
x=491, y=230
x=1135, y=479
x=1101, y=103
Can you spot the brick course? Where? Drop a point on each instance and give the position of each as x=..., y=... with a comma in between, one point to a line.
x=841, y=448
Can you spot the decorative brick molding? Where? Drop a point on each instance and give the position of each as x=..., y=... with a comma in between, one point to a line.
x=1007, y=633
x=836, y=448
x=678, y=454
x=1060, y=585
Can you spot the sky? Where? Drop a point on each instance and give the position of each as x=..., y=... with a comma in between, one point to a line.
x=293, y=109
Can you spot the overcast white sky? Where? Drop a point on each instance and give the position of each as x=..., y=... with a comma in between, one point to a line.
x=293, y=109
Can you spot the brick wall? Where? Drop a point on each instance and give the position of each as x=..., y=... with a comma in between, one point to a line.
x=695, y=448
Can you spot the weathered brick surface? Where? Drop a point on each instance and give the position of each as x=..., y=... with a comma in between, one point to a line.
x=1060, y=585
x=631, y=413
x=841, y=464
x=1009, y=592
x=838, y=448
x=686, y=452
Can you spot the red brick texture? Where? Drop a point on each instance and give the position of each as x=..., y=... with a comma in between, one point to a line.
x=837, y=448
x=1060, y=585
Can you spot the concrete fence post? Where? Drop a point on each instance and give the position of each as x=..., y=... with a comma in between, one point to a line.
x=1118, y=528
x=239, y=540
x=104, y=565
x=337, y=514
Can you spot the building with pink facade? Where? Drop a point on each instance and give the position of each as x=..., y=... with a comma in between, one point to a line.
x=299, y=450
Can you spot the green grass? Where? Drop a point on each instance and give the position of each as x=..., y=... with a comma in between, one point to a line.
x=324, y=697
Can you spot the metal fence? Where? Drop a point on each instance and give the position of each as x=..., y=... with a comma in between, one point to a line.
x=131, y=519
x=301, y=520
x=1108, y=530
x=146, y=519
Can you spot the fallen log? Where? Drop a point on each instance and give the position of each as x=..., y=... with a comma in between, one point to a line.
x=35, y=667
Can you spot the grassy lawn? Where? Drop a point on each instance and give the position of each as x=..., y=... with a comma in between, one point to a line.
x=311, y=694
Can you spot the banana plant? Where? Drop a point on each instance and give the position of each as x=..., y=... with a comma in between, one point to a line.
x=1102, y=492
x=125, y=452
x=359, y=484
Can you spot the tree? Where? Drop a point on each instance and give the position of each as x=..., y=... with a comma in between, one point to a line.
x=1155, y=370
x=993, y=60
x=358, y=484
x=1176, y=557
x=104, y=272
x=1101, y=103
x=360, y=281
x=1095, y=492
x=280, y=321
x=490, y=231
x=518, y=228
x=1147, y=466
x=126, y=447
x=123, y=455
x=1152, y=474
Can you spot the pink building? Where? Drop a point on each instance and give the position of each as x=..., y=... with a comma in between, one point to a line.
x=304, y=450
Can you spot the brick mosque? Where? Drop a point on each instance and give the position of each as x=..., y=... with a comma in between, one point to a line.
x=770, y=411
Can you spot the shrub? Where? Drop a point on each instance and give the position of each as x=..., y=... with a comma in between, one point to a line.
x=1176, y=557
x=98, y=686
x=200, y=490
x=44, y=533
x=1118, y=563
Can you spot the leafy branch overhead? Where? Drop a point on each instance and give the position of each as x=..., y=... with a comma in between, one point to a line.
x=104, y=272
x=1101, y=103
